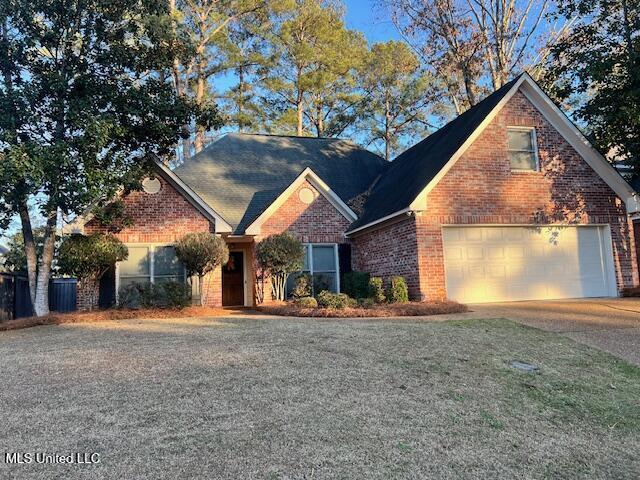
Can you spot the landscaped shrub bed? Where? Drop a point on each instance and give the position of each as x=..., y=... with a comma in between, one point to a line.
x=366, y=309
x=114, y=314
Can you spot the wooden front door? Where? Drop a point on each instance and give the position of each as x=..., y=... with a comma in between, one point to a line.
x=233, y=280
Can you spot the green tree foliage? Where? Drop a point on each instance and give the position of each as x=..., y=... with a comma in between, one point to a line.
x=601, y=56
x=89, y=256
x=316, y=58
x=203, y=48
x=201, y=253
x=15, y=259
x=400, y=96
x=278, y=256
x=81, y=110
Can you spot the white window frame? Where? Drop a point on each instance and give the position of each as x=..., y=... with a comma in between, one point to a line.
x=534, y=144
x=152, y=250
x=309, y=247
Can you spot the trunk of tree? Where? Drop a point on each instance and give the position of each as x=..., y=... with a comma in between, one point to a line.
x=240, y=71
x=200, y=99
x=30, y=250
x=300, y=113
x=299, y=104
x=469, y=86
x=387, y=130
x=319, y=119
x=201, y=288
x=41, y=301
x=177, y=79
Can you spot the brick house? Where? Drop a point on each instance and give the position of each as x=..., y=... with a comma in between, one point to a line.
x=506, y=202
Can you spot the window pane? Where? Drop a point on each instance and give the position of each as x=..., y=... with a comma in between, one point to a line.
x=306, y=258
x=324, y=259
x=166, y=262
x=324, y=281
x=522, y=160
x=520, y=140
x=137, y=264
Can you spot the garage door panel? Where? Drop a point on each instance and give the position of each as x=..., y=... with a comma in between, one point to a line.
x=484, y=264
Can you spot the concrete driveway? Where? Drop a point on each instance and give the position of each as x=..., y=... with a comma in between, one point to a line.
x=610, y=324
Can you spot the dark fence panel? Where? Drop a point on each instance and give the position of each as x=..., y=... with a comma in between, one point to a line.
x=15, y=301
x=63, y=294
x=6, y=297
x=23, y=306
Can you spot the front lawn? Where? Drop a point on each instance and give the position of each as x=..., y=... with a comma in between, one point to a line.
x=269, y=398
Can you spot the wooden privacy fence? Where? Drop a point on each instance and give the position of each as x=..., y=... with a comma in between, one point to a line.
x=16, y=303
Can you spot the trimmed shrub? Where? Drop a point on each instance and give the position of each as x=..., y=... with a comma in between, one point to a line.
x=376, y=290
x=201, y=253
x=150, y=295
x=338, y=301
x=321, y=282
x=302, y=286
x=366, y=302
x=277, y=256
x=129, y=296
x=356, y=284
x=306, y=302
x=177, y=295
x=398, y=291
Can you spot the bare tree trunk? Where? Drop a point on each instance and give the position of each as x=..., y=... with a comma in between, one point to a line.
x=41, y=302
x=30, y=250
x=200, y=99
x=387, y=130
x=300, y=112
x=201, y=287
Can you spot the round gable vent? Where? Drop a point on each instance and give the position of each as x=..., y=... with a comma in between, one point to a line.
x=306, y=195
x=151, y=185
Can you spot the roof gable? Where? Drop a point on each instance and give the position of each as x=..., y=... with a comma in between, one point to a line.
x=310, y=176
x=422, y=166
x=241, y=175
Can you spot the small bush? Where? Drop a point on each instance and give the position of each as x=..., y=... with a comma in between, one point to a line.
x=366, y=302
x=302, y=286
x=177, y=295
x=321, y=282
x=306, y=302
x=356, y=284
x=338, y=301
x=398, y=291
x=129, y=296
x=150, y=295
x=376, y=290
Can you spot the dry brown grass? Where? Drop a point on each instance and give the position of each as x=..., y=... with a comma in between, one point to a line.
x=411, y=309
x=286, y=398
x=115, y=314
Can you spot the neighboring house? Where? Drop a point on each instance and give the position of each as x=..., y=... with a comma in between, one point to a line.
x=506, y=202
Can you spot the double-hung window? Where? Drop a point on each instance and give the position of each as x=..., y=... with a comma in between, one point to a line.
x=150, y=264
x=522, y=148
x=321, y=263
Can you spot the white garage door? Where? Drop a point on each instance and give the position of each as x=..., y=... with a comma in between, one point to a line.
x=493, y=264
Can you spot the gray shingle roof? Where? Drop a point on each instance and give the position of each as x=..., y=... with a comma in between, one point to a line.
x=240, y=175
x=413, y=169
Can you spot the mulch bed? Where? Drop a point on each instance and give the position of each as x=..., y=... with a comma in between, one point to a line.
x=411, y=309
x=115, y=314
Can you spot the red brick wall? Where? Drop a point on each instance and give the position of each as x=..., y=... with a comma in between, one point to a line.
x=162, y=218
x=317, y=222
x=480, y=188
x=391, y=250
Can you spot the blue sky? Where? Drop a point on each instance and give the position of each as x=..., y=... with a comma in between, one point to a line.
x=366, y=16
